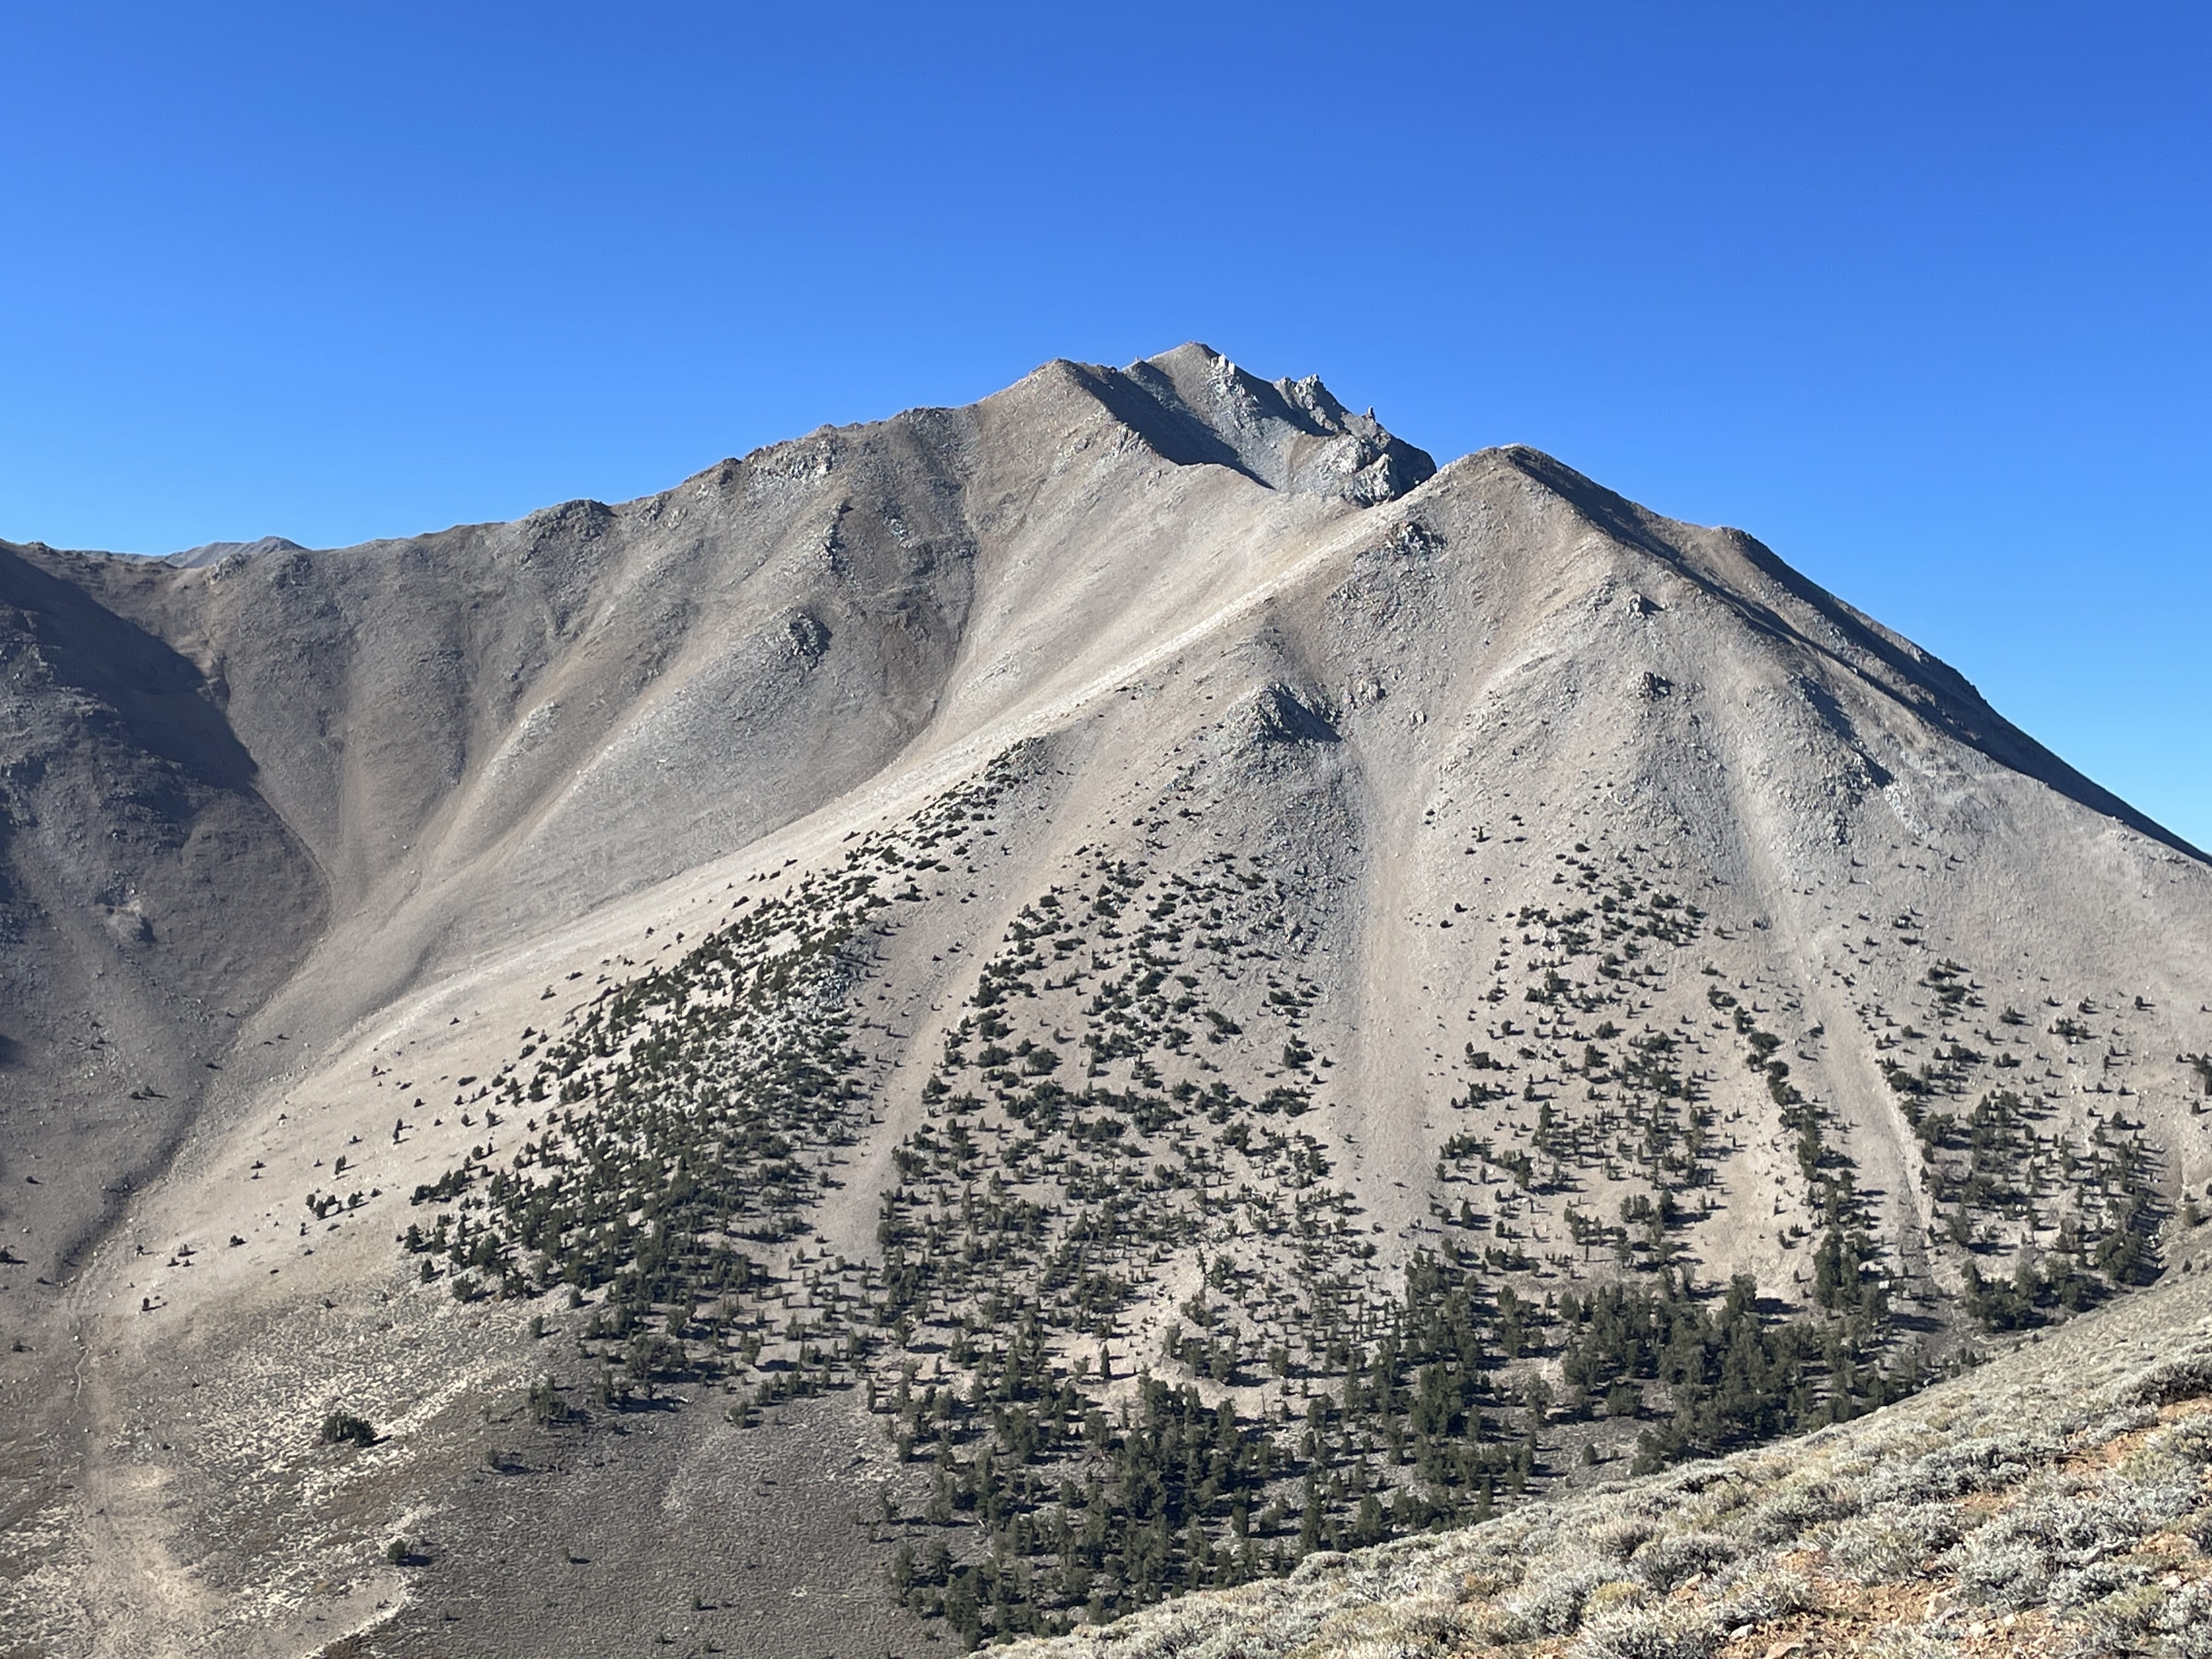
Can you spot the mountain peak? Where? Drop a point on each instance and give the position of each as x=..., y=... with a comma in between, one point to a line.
x=208, y=553
x=1196, y=407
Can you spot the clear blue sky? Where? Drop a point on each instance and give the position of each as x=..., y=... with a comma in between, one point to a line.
x=1918, y=293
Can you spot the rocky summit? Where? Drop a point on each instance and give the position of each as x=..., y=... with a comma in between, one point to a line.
x=962, y=1026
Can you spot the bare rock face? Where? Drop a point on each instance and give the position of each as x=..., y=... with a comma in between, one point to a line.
x=961, y=1025
x=1194, y=404
x=215, y=552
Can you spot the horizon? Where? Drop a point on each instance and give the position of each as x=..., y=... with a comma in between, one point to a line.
x=2173, y=835
x=1914, y=301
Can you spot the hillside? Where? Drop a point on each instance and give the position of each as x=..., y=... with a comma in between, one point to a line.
x=964, y=1023
x=2053, y=1502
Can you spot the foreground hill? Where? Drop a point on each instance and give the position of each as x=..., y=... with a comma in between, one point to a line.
x=2055, y=1501
x=963, y=1024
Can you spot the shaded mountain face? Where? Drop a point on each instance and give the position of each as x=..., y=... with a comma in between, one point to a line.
x=1124, y=983
x=148, y=895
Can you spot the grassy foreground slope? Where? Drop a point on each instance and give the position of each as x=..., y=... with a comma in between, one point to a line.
x=2054, y=1501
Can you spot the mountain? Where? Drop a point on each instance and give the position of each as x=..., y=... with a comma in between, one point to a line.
x=965, y=1022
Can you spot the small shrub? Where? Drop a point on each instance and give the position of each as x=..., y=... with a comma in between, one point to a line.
x=1650, y=1633
x=2186, y=1616
x=546, y=1406
x=1891, y=1544
x=1912, y=1642
x=2175, y=1379
x=1788, y=1515
x=2120, y=1621
x=339, y=1427
x=1669, y=1562
x=2191, y=1437
x=1616, y=1540
x=1985, y=1463
x=1554, y=1605
x=2006, y=1572
x=1758, y=1594
x=2083, y=1586
x=2110, y=1424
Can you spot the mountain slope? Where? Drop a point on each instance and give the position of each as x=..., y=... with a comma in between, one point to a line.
x=1141, y=896
x=2052, y=1502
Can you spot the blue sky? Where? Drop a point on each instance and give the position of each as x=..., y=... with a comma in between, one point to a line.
x=1915, y=294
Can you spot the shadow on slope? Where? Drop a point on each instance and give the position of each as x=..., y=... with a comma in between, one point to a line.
x=148, y=694
x=1194, y=407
